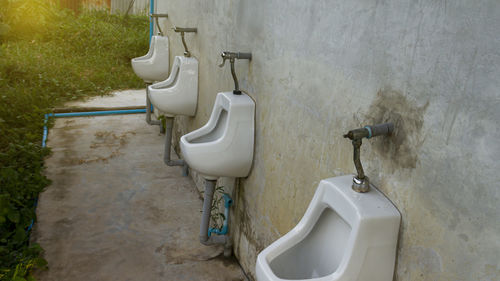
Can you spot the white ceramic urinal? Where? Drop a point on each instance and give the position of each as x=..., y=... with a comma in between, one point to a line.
x=155, y=64
x=178, y=95
x=224, y=146
x=343, y=236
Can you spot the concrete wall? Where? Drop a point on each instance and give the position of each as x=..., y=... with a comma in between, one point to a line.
x=321, y=68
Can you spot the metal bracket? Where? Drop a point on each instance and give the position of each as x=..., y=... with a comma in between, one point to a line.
x=183, y=30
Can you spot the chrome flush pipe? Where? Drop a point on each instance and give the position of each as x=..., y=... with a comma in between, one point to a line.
x=361, y=183
x=156, y=16
x=231, y=56
x=183, y=30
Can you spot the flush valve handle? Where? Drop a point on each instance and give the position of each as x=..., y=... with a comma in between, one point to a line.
x=223, y=62
x=225, y=56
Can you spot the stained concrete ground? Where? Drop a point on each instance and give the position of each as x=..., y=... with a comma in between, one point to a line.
x=114, y=211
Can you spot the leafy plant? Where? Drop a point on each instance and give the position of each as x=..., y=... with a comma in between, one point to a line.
x=67, y=57
x=216, y=215
x=163, y=121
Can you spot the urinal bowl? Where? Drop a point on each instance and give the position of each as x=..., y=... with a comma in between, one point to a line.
x=224, y=146
x=344, y=235
x=178, y=95
x=155, y=64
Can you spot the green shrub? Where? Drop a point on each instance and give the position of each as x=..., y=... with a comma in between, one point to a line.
x=66, y=57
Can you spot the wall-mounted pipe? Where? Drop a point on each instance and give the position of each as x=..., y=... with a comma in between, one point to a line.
x=169, y=124
x=183, y=30
x=157, y=21
x=232, y=56
x=360, y=182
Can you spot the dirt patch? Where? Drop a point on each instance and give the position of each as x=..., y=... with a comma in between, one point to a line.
x=179, y=251
x=109, y=139
x=105, y=140
x=402, y=147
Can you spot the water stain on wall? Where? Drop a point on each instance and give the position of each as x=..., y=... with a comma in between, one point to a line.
x=401, y=148
x=244, y=223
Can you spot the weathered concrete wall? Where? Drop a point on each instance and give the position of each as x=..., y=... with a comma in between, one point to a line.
x=321, y=68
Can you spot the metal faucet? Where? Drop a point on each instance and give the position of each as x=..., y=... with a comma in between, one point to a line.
x=183, y=30
x=361, y=183
x=232, y=57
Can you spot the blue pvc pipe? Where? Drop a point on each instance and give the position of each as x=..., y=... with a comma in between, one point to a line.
x=45, y=130
x=151, y=24
x=97, y=113
x=223, y=231
x=77, y=114
x=44, y=144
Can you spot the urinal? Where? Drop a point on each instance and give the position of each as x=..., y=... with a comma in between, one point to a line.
x=155, y=64
x=224, y=146
x=344, y=235
x=178, y=95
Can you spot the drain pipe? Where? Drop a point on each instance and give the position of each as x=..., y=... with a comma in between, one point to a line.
x=227, y=204
x=205, y=239
x=169, y=124
x=149, y=109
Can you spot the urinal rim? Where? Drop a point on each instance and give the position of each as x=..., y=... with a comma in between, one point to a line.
x=155, y=56
x=160, y=90
x=208, y=127
x=149, y=54
x=148, y=67
x=152, y=54
x=212, y=121
x=176, y=70
x=301, y=231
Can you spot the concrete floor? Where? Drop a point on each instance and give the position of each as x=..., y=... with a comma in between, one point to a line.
x=114, y=211
x=116, y=99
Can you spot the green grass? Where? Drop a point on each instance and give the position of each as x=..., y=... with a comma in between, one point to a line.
x=66, y=57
